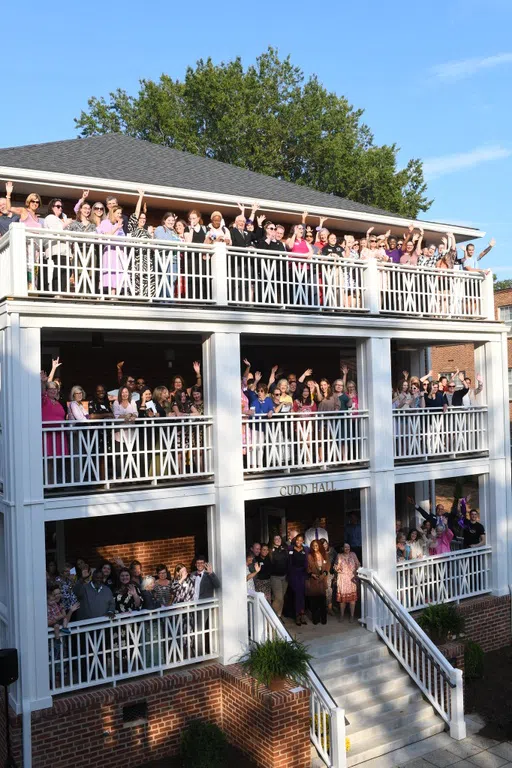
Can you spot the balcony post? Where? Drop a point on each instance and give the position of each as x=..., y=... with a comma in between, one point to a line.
x=24, y=518
x=488, y=297
x=372, y=285
x=17, y=284
x=227, y=517
x=494, y=489
x=378, y=501
x=220, y=274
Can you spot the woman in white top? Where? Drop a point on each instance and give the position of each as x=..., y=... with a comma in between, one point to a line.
x=56, y=266
x=416, y=544
x=125, y=409
x=78, y=408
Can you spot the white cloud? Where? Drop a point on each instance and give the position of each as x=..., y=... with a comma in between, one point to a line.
x=458, y=70
x=435, y=167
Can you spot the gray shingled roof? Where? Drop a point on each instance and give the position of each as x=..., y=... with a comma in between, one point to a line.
x=116, y=156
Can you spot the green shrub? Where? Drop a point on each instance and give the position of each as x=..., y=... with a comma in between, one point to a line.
x=203, y=745
x=277, y=658
x=473, y=660
x=440, y=620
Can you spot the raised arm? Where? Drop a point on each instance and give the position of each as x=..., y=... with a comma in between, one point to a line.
x=197, y=370
x=344, y=372
x=306, y=373
x=85, y=195
x=247, y=368
x=139, y=203
x=120, y=372
x=272, y=377
x=305, y=214
x=22, y=212
x=420, y=240
x=407, y=237
x=427, y=377
x=491, y=245
x=55, y=364
x=480, y=386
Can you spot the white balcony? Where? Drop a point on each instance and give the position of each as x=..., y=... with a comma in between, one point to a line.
x=71, y=265
x=444, y=578
x=298, y=441
x=428, y=433
x=431, y=292
x=107, y=650
x=114, y=453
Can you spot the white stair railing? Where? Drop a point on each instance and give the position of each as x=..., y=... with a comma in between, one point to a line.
x=438, y=681
x=443, y=578
x=327, y=720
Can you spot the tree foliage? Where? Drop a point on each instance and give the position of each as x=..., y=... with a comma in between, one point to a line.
x=501, y=285
x=270, y=119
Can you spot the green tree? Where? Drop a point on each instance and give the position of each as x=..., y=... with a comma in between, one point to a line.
x=501, y=285
x=270, y=119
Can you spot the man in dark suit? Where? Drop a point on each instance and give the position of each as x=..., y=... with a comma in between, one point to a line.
x=205, y=584
x=205, y=581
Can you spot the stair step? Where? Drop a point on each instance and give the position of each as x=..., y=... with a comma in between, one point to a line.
x=414, y=715
x=375, y=746
x=359, y=696
x=348, y=658
x=371, y=708
x=358, y=639
x=360, y=674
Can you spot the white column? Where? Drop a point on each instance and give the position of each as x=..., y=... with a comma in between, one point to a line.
x=495, y=501
x=17, y=284
x=227, y=517
x=378, y=503
x=24, y=523
x=220, y=274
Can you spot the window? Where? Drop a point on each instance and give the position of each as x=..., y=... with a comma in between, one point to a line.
x=510, y=383
x=134, y=714
x=505, y=313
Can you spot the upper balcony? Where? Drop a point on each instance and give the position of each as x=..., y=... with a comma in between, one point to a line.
x=42, y=264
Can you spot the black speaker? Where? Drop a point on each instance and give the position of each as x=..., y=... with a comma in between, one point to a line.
x=8, y=666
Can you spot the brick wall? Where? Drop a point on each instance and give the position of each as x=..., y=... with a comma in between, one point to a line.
x=88, y=728
x=448, y=359
x=488, y=621
x=165, y=537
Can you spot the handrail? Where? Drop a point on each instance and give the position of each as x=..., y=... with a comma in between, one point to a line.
x=327, y=721
x=428, y=668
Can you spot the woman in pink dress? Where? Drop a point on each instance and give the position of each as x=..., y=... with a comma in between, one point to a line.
x=112, y=266
x=443, y=539
x=346, y=581
x=55, y=444
x=300, y=290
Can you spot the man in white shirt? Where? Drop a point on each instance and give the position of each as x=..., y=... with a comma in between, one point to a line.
x=315, y=532
x=129, y=383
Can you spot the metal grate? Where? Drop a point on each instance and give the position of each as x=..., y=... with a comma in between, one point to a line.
x=135, y=712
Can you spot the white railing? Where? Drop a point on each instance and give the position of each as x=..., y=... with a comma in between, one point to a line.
x=2, y=461
x=304, y=440
x=107, y=650
x=288, y=280
x=438, y=681
x=113, y=452
x=89, y=265
x=38, y=262
x=444, y=578
x=429, y=291
x=327, y=720
x=430, y=432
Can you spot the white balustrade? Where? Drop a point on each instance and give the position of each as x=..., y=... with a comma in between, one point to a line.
x=431, y=292
x=113, y=452
x=430, y=432
x=107, y=650
x=443, y=578
x=89, y=265
x=438, y=681
x=286, y=280
x=327, y=720
x=304, y=440
x=5, y=265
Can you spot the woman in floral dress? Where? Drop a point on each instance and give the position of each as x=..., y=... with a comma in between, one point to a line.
x=346, y=583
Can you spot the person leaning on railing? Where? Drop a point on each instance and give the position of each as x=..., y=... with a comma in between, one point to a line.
x=95, y=598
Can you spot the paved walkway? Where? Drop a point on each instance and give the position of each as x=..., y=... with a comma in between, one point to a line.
x=442, y=751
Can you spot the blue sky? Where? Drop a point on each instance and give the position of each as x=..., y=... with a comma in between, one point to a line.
x=434, y=79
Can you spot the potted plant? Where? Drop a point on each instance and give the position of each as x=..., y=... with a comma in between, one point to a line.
x=273, y=662
x=440, y=622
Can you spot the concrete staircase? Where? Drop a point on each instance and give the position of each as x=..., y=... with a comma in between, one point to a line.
x=385, y=709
